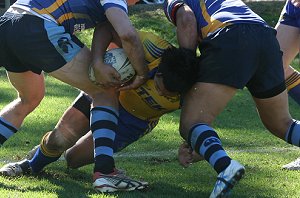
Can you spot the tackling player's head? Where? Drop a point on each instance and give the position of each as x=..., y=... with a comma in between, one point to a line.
x=178, y=67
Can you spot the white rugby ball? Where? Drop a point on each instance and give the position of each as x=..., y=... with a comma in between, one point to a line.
x=116, y=58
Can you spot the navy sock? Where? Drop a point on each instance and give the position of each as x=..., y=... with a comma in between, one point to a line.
x=39, y=160
x=104, y=122
x=6, y=130
x=206, y=142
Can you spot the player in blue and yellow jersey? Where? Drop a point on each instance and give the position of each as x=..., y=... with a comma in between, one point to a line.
x=238, y=49
x=38, y=35
x=288, y=35
x=139, y=112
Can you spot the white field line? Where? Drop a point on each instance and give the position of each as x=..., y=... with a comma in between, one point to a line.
x=173, y=153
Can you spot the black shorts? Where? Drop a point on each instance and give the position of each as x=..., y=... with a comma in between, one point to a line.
x=243, y=55
x=83, y=104
x=29, y=43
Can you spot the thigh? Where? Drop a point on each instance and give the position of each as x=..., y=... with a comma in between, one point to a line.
x=274, y=113
x=75, y=73
x=29, y=85
x=289, y=40
x=203, y=103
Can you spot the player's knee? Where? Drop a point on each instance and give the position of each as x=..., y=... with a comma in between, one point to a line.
x=280, y=129
x=31, y=101
x=70, y=158
x=56, y=141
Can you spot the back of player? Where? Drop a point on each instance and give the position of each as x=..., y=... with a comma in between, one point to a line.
x=145, y=102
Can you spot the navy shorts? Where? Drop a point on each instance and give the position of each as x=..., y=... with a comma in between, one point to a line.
x=243, y=55
x=29, y=43
x=130, y=128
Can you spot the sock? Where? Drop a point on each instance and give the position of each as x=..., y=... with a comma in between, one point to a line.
x=293, y=134
x=293, y=86
x=43, y=156
x=40, y=160
x=104, y=122
x=6, y=130
x=206, y=142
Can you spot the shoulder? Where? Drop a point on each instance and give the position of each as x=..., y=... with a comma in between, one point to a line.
x=154, y=45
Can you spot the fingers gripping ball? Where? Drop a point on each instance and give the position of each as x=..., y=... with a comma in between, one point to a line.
x=116, y=58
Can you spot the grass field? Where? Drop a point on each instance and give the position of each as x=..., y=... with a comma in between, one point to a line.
x=153, y=158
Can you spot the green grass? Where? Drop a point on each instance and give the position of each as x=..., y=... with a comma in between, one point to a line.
x=153, y=158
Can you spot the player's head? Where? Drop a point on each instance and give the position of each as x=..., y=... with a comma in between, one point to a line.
x=178, y=69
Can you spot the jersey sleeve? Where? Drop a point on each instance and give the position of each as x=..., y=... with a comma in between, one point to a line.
x=170, y=9
x=122, y=4
x=153, y=45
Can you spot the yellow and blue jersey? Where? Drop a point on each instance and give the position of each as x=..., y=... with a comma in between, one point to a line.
x=290, y=15
x=145, y=102
x=74, y=15
x=212, y=15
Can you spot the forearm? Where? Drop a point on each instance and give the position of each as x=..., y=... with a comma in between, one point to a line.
x=187, y=34
x=135, y=53
x=101, y=39
x=129, y=38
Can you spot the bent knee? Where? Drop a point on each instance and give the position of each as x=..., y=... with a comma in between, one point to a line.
x=56, y=141
x=31, y=100
x=77, y=157
x=71, y=160
x=280, y=129
x=74, y=160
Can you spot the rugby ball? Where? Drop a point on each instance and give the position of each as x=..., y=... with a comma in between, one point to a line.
x=116, y=58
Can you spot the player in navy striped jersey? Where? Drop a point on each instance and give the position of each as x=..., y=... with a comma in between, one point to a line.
x=238, y=49
x=288, y=35
x=139, y=112
x=38, y=35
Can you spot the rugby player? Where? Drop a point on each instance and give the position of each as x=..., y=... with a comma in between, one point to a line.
x=238, y=49
x=139, y=112
x=288, y=35
x=39, y=35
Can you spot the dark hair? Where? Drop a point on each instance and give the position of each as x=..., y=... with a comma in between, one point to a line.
x=178, y=67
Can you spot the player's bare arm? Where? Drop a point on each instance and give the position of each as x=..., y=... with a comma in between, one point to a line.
x=186, y=25
x=130, y=43
x=105, y=75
